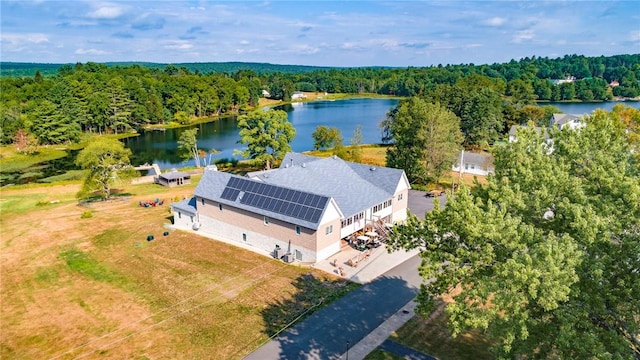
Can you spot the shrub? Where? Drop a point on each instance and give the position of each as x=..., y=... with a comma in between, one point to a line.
x=86, y=214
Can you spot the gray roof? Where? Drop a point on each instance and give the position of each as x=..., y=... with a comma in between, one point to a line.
x=188, y=206
x=172, y=175
x=354, y=187
x=561, y=119
x=477, y=159
x=213, y=183
x=539, y=130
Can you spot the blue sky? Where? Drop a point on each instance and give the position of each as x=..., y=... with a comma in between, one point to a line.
x=324, y=33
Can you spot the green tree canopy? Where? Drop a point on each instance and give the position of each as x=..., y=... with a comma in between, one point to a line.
x=325, y=137
x=426, y=138
x=188, y=145
x=267, y=134
x=546, y=256
x=106, y=160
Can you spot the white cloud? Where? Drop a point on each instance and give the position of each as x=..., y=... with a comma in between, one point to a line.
x=178, y=45
x=304, y=49
x=89, y=52
x=12, y=42
x=495, y=21
x=18, y=38
x=634, y=35
x=522, y=35
x=244, y=42
x=106, y=11
x=247, y=51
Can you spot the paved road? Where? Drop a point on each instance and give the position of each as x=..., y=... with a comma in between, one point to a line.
x=327, y=333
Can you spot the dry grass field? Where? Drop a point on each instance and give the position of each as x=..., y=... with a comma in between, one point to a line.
x=82, y=281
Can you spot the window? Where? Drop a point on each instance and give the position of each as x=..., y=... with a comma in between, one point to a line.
x=179, y=215
x=202, y=201
x=191, y=217
x=220, y=207
x=266, y=220
x=466, y=166
x=298, y=230
x=399, y=197
x=328, y=230
x=244, y=237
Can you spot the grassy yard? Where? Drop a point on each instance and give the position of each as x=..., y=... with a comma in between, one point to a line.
x=431, y=336
x=83, y=281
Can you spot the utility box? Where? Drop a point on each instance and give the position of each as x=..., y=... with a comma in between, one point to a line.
x=278, y=253
x=288, y=258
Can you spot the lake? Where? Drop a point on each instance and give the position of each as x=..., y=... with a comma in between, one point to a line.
x=222, y=134
x=161, y=146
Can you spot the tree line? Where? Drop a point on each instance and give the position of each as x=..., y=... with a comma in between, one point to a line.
x=99, y=98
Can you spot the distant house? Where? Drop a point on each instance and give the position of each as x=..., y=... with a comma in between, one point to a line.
x=297, y=95
x=474, y=163
x=568, y=79
x=614, y=83
x=514, y=130
x=173, y=178
x=265, y=94
x=571, y=121
x=302, y=209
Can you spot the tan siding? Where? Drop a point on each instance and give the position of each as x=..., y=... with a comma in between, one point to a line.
x=255, y=223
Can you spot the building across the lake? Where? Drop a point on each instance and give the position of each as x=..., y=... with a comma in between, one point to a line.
x=301, y=210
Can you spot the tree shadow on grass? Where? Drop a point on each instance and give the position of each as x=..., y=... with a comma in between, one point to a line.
x=328, y=332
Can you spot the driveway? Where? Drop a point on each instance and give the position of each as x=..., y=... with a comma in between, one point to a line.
x=328, y=333
x=420, y=203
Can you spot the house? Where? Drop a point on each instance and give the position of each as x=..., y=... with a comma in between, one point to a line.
x=297, y=95
x=302, y=209
x=568, y=79
x=614, y=83
x=514, y=130
x=571, y=121
x=474, y=163
x=173, y=178
x=265, y=94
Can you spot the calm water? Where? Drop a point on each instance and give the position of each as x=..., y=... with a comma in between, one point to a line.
x=585, y=108
x=161, y=146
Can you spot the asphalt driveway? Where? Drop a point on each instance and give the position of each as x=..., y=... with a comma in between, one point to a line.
x=420, y=203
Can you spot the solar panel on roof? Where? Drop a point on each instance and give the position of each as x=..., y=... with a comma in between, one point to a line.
x=288, y=202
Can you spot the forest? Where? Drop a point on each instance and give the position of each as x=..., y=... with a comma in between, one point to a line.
x=54, y=104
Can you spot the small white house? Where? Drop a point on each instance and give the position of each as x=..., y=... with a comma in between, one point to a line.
x=571, y=121
x=265, y=94
x=474, y=163
x=297, y=95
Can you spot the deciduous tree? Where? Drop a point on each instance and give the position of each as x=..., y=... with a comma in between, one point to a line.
x=325, y=137
x=426, y=139
x=188, y=145
x=546, y=256
x=267, y=134
x=106, y=160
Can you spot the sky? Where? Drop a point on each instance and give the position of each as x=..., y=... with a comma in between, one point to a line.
x=320, y=33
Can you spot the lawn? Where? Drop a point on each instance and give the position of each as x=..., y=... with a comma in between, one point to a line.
x=432, y=336
x=83, y=281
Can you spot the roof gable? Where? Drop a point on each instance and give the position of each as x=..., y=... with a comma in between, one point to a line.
x=278, y=202
x=353, y=186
